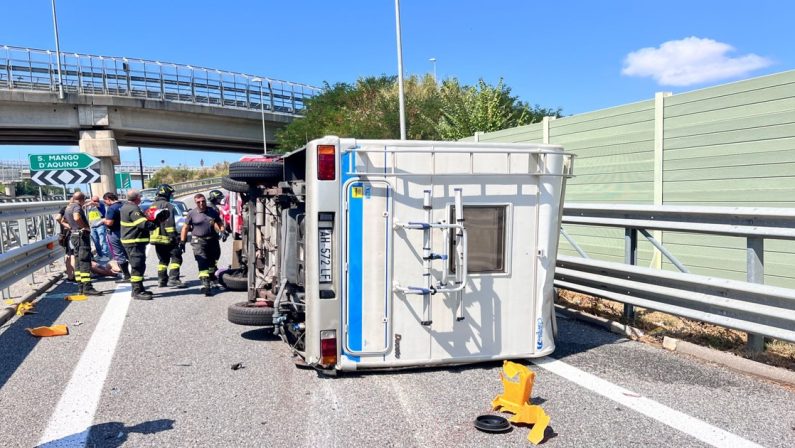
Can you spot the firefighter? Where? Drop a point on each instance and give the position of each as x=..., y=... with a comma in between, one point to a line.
x=215, y=197
x=135, y=228
x=80, y=240
x=205, y=225
x=166, y=241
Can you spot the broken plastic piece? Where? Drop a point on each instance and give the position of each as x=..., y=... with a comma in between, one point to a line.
x=517, y=383
x=55, y=330
x=76, y=298
x=23, y=308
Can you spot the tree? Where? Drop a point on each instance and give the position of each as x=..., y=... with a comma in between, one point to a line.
x=369, y=109
x=171, y=175
x=485, y=108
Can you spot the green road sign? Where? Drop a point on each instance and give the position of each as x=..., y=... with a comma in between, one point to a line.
x=66, y=161
x=123, y=181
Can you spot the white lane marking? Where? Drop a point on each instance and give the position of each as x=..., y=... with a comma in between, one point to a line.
x=74, y=414
x=692, y=426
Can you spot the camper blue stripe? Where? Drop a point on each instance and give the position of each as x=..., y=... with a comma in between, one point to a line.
x=355, y=271
x=353, y=290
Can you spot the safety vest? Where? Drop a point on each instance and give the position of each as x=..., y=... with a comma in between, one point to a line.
x=134, y=226
x=166, y=233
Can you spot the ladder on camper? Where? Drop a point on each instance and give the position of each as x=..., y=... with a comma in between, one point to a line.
x=443, y=286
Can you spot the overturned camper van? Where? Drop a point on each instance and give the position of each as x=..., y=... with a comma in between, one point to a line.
x=367, y=254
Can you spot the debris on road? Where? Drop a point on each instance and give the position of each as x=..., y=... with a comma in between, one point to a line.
x=24, y=307
x=517, y=381
x=238, y=366
x=76, y=298
x=492, y=423
x=55, y=330
x=77, y=323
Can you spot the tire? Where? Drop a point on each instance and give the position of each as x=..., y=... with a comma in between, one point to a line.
x=233, y=281
x=234, y=185
x=244, y=313
x=257, y=173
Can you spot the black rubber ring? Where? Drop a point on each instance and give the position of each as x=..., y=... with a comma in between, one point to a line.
x=492, y=423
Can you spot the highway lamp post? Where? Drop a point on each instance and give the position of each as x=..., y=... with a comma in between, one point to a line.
x=433, y=61
x=57, y=51
x=262, y=110
x=401, y=99
x=141, y=167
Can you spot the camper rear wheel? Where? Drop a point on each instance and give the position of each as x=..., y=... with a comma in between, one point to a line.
x=234, y=185
x=257, y=173
x=247, y=313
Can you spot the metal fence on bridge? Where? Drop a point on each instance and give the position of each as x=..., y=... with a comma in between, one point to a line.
x=36, y=70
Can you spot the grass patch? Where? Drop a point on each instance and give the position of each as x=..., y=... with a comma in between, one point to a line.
x=657, y=325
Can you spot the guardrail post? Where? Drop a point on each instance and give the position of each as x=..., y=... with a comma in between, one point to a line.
x=755, y=273
x=631, y=258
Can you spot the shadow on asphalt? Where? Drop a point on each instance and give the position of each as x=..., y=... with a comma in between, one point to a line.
x=260, y=334
x=111, y=434
x=16, y=343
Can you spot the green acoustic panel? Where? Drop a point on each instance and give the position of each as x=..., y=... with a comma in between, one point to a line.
x=717, y=153
x=731, y=136
x=758, y=101
x=747, y=85
x=747, y=116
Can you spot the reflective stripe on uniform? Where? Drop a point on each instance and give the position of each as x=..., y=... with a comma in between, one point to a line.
x=136, y=278
x=171, y=230
x=133, y=223
x=161, y=267
x=174, y=266
x=203, y=274
x=135, y=240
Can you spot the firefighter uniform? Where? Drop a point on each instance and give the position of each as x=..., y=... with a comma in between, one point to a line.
x=166, y=241
x=80, y=240
x=205, y=244
x=135, y=230
x=214, y=199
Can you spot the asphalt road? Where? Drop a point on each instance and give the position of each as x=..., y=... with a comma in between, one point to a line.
x=162, y=376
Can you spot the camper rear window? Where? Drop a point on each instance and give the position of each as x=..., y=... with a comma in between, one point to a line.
x=485, y=226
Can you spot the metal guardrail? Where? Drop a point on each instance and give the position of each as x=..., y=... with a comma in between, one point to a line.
x=36, y=70
x=751, y=306
x=196, y=186
x=28, y=239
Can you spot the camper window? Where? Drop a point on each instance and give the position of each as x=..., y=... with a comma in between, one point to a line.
x=485, y=226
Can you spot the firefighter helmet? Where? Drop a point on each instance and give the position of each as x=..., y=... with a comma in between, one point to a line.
x=215, y=196
x=165, y=191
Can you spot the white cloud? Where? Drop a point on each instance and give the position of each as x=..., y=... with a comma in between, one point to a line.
x=689, y=61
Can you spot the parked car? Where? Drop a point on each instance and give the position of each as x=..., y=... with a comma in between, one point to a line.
x=148, y=194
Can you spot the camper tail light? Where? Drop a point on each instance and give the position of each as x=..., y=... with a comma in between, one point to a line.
x=328, y=347
x=326, y=162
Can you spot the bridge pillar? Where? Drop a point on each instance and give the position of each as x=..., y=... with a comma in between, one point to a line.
x=10, y=189
x=102, y=144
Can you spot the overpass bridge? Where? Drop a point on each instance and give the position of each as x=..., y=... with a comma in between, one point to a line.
x=112, y=101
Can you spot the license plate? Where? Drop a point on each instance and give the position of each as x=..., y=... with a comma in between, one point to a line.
x=324, y=254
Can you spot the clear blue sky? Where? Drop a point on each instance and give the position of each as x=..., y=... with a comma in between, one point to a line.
x=579, y=56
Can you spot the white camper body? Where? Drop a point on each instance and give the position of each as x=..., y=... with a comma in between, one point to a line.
x=422, y=253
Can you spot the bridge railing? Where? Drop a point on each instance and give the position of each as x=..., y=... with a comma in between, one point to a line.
x=36, y=70
x=750, y=306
